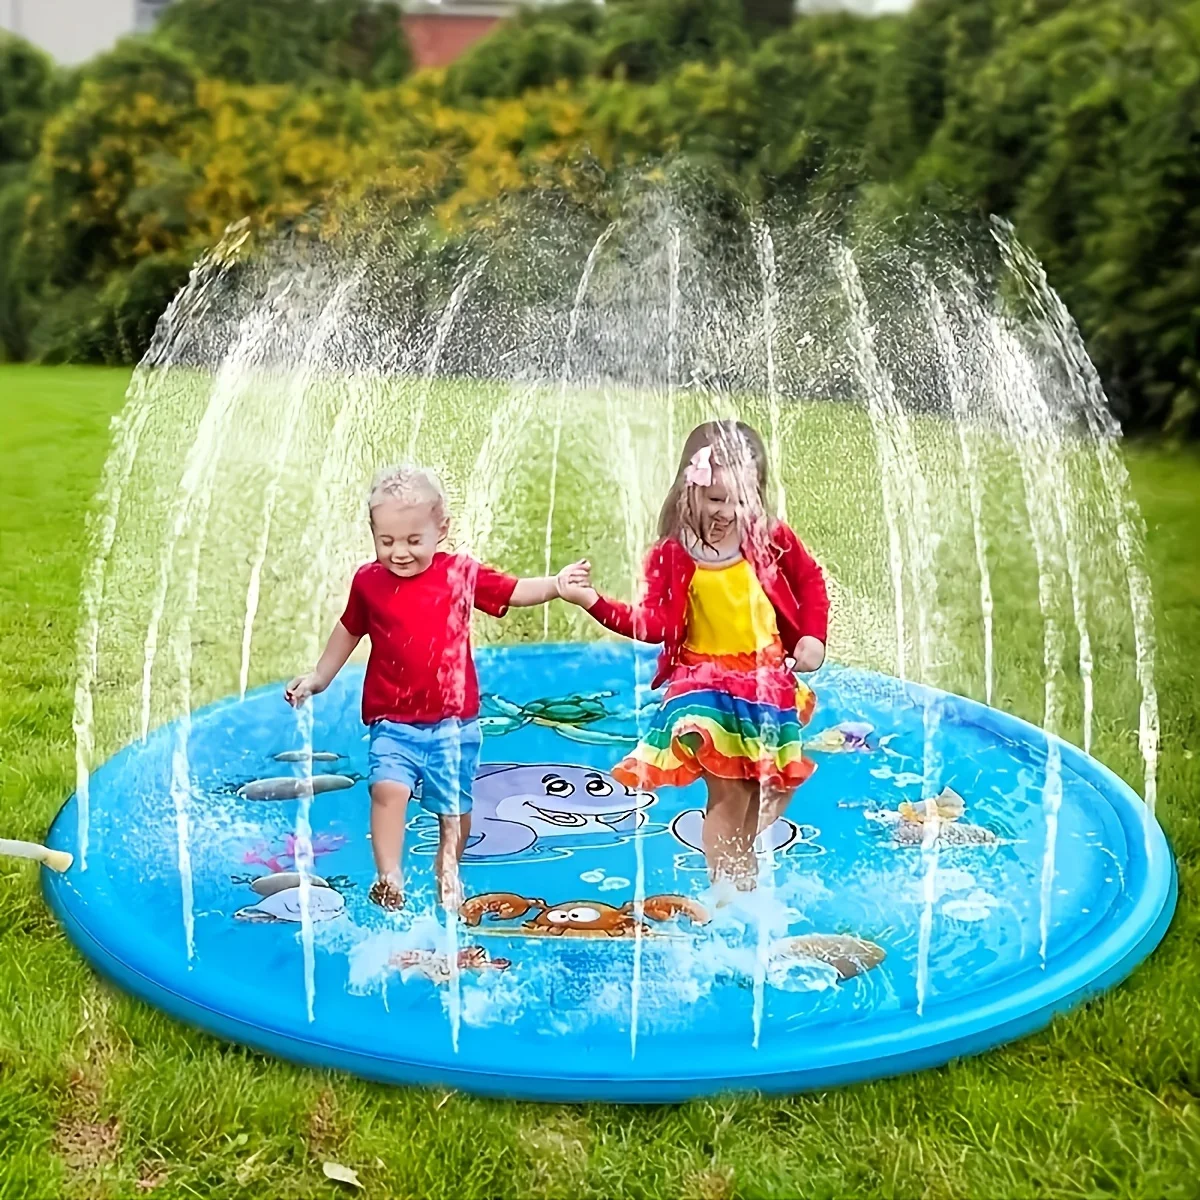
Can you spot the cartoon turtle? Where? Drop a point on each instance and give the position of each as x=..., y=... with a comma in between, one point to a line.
x=581, y=918
x=908, y=823
x=573, y=717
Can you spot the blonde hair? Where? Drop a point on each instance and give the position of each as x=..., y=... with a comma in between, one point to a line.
x=735, y=446
x=409, y=484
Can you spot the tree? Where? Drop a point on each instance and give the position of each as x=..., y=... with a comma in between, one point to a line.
x=533, y=49
x=289, y=41
x=768, y=16
x=644, y=39
x=28, y=94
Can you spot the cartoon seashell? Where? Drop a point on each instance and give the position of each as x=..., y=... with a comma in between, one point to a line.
x=848, y=955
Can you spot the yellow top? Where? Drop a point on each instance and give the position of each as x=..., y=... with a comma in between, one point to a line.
x=728, y=611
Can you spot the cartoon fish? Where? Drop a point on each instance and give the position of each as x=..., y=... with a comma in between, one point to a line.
x=847, y=737
x=908, y=822
x=292, y=787
x=518, y=806
x=299, y=756
x=281, y=903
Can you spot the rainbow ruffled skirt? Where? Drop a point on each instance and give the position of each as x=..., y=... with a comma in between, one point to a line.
x=728, y=723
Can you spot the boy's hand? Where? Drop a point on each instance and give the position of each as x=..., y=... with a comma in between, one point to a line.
x=810, y=653
x=301, y=688
x=574, y=584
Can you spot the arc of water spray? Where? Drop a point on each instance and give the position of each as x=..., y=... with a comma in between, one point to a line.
x=1039, y=444
x=1034, y=449
x=903, y=485
x=195, y=484
x=118, y=468
x=765, y=247
x=564, y=379
x=1126, y=516
x=877, y=390
x=193, y=499
x=958, y=388
x=300, y=383
x=441, y=335
x=673, y=255
x=619, y=431
x=311, y=358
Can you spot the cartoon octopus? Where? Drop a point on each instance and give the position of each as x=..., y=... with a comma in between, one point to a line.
x=580, y=918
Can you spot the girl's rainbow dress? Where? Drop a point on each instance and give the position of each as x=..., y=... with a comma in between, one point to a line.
x=732, y=709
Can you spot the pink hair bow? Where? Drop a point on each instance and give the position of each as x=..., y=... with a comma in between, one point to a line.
x=699, y=470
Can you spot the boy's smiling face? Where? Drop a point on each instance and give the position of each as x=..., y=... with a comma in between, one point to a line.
x=407, y=534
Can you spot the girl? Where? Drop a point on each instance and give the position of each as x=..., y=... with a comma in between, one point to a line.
x=738, y=604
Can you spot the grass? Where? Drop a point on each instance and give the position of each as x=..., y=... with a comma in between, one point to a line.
x=102, y=1096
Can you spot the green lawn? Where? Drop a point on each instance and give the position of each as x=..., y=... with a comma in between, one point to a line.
x=102, y=1096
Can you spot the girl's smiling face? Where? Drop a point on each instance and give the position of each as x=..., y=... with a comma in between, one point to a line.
x=717, y=508
x=407, y=534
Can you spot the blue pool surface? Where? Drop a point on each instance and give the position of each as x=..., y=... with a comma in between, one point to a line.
x=870, y=949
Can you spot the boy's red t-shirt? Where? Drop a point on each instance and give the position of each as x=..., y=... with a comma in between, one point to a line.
x=420, y=668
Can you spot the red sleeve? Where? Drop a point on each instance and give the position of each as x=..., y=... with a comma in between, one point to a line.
x=807, y=582
x=354, y=619
x=493, y=590
x=658, y=615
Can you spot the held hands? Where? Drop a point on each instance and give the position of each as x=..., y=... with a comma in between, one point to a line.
x=810, y=653
x=302, y=687
x=574, y=584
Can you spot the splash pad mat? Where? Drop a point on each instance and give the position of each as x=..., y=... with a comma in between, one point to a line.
x=872, y=948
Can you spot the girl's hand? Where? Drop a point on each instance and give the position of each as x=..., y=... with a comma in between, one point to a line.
x=574, y=584
x=301, y=688
x=810, y=653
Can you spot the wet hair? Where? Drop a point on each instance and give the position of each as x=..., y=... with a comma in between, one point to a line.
x=409, y=484
x=737, y=447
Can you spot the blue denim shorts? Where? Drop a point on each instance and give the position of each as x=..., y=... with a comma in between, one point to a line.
x=438, y=760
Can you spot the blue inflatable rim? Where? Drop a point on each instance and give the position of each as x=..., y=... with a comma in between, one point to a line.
x=997, y=1014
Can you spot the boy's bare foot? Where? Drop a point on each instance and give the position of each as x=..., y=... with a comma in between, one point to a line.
x=387, y=893
x=450, y=892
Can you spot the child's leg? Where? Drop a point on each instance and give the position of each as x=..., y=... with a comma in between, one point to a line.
x=389, y=809
x=453, y=832
x=392, y=773
x=772, y=804
x=728, y=850
x=449, y=782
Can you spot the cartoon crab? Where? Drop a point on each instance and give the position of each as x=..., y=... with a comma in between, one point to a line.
x=581, y=918
x=429, y=964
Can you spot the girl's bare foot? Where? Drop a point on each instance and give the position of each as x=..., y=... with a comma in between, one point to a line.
x=387, y=893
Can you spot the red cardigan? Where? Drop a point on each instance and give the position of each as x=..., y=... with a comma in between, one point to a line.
x=789, y=575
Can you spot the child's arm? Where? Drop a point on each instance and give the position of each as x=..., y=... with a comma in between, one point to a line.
x=339, y=648
x=659, y=614
x=807, y=581
x=530, y=592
